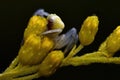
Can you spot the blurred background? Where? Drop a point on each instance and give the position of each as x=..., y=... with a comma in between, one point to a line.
x=14, y=16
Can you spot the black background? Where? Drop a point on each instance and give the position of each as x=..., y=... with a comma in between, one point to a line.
x=14, y=15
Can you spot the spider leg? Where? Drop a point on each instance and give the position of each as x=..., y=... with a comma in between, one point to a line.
x=41, y=12
x=52, y=33
x=68, y=40
x=72, y=42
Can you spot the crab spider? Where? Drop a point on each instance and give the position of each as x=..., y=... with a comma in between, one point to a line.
x=55, y=27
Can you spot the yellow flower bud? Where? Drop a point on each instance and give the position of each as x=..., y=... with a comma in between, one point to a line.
x=28, y=53
x=36, y=25
x=88, y=30
x=51, y=63
x=34, y=50
x=56, y=22
x=113, y=42
x=47, y=43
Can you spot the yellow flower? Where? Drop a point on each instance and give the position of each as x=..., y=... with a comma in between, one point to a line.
x=36, y=25
x=88, y=30
x=30, y=50
x=113, y=42
x=51, y=63
x=34, y=49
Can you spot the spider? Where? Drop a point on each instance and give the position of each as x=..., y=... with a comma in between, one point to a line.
x=55, y=27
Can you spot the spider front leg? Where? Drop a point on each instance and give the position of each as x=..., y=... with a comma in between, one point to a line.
x=41, y=12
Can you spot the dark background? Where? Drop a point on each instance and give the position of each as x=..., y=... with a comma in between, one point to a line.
x=14, y=15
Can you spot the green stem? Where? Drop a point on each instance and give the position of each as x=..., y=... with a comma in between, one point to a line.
x=12, y=65
x=20, y=71
x=78, y=49
x=29, y=77
x=77, y=61
x=74, y=51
